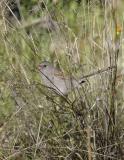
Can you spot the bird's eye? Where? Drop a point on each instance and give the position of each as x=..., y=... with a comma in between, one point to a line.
x=44, y=65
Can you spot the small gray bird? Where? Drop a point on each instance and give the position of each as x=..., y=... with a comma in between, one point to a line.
x=53, y=78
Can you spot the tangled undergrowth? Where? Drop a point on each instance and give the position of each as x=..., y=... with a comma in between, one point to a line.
x=82, y=39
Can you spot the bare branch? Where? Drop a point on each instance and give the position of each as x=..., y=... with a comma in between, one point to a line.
x=99, y=72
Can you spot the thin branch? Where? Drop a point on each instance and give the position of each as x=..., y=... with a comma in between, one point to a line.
x=99, y=72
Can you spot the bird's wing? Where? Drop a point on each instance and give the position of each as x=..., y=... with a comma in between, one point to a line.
x=63, y=76
x=58, y=73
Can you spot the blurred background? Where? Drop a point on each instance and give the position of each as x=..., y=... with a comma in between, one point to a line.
x=81, y=37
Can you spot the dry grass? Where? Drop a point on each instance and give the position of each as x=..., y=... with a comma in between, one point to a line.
x=37, y=124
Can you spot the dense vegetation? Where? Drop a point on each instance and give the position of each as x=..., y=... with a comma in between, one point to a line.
x=83, y=38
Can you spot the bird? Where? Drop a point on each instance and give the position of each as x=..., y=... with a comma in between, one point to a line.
x=54, y=78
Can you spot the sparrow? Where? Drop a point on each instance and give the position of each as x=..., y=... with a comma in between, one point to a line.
x=54, y=78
